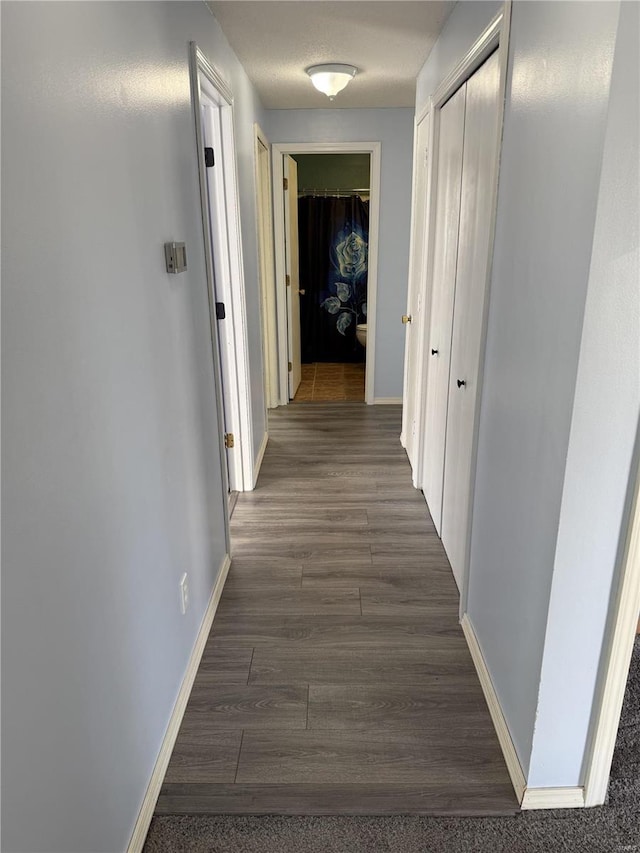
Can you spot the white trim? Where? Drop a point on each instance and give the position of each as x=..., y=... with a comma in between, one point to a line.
x=553, y=798
x=529, y=798
x=260, y=457
x=374, y=149
x=412, y=242
x=618, y=648
x=201, y=62
x=418, y=298
x=264, y=222
x=497, y=34
x=425, y=279
x=424, y=112
x=206, y=83
x=495, y=709
x=387, y=401
x=487, y=42
x=160, y=768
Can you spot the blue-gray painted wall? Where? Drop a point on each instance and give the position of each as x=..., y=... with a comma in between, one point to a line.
x=394, y=129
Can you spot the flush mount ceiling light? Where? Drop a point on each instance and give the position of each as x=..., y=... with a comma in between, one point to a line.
x=331, y=78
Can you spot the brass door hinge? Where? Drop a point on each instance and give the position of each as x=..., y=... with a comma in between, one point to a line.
x=285, y=183
x=229, y=440
x=290, y=366
x=287, y=280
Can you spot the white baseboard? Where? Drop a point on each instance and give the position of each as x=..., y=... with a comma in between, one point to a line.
x=500, y=724
x=387, y=401
x=529, y=798
x=141, y=827
x=553, y=798
x=258, y=463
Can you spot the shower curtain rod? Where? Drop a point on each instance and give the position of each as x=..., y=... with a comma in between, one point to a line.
x=317, y=191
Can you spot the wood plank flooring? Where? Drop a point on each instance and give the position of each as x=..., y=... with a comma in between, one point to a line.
x=336, y=679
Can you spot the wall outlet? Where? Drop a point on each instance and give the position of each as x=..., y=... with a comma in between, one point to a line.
x=184, y=593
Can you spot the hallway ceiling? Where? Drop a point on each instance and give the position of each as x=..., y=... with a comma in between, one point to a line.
x=387, y=41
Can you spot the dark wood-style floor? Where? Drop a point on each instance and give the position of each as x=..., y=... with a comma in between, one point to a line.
x=336, y=679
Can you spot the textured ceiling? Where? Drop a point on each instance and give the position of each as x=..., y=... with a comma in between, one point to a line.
x=387, y=41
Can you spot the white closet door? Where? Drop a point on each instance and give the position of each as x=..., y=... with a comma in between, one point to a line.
x=447, y=213
x=478, y=183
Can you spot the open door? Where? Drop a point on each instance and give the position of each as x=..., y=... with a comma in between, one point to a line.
x=292, y=272
x=218, y=232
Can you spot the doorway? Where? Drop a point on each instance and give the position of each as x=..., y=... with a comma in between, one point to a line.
x=219, y=201
x=333, y=239
x=326, y=211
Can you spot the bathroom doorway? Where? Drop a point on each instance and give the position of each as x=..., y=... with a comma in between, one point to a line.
x=326, y=257
x=333, y=242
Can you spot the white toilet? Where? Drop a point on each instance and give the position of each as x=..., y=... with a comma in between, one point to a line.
x=361, y=334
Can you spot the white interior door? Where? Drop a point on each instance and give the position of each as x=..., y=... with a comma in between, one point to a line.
x=447, y=213
x=414, y=329
x=219, y=238
x=292, y=271
x=478, y=181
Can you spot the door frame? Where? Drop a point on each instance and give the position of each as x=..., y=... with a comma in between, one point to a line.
x=494, y=37
x=266, y=268
x=417, y=303
x=622, y=623
x=374, y=149
x=207, y=83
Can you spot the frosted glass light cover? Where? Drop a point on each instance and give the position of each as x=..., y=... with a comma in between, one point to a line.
x=331, y=79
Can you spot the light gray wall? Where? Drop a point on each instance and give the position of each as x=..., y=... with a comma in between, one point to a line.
x=467, y=20
x=394, y=129
x=603, y=432
x=560, y=66
x=111, y=480
x=555, y=116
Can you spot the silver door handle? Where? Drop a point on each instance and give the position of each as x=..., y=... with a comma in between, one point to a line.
x=302, y=292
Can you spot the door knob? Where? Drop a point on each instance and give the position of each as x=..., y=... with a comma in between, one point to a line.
x=461, y=382
x=406, y=318
x=434, y=352
x=302, y=292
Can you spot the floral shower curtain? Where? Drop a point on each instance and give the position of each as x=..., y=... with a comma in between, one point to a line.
x=334, y=243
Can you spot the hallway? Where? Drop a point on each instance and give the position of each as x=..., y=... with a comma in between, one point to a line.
x=336, y=679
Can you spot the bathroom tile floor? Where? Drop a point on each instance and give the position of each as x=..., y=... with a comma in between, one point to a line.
x=329, y=382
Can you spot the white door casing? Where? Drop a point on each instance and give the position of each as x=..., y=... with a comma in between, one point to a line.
x=223, y=258
x=267, y=268
x=292, y=261
x=478, y=180
x=217, y=226
x=438, y=353
x=414, y=341
x=374, y=149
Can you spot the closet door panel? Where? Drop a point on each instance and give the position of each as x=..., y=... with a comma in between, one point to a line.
x=447, y=212
x=478, y=183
